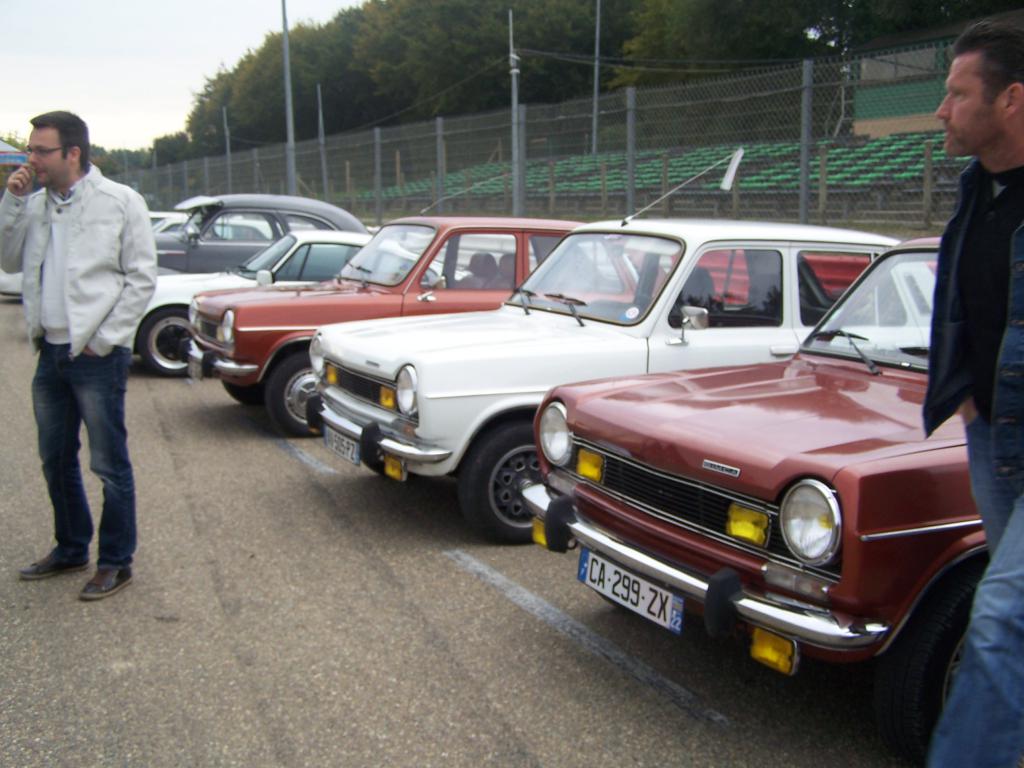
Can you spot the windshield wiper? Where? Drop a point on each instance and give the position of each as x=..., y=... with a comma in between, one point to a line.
x=829, y=335
x=525, y=294
x=363, y=280
x=570, y=302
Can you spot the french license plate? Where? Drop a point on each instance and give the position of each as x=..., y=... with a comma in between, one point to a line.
x=344, y=446
x=631, y=591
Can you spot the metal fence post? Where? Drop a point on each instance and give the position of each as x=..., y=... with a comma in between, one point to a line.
x=255, y=169
x=439, y=162
x=521, y=203
x=206, y=175
x=805, y=139
x=928, y=185
x=377, y=192
x=184, y=179
x=630, y=150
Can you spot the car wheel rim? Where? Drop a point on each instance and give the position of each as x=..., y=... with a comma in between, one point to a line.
x=300, y=387
x=165, y=340
x=516, y=469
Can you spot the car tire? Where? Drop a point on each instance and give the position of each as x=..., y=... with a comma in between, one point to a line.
x=287, y=389
x=490, y=476
x=912, y=677
x=250, y=395
x=159, y=341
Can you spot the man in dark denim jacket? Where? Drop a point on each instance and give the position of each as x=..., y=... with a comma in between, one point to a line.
x=976, y=367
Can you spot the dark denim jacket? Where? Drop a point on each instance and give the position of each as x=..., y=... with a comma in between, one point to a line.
x=949, y=380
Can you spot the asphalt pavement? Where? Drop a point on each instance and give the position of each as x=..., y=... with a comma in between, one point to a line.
x=289, y=610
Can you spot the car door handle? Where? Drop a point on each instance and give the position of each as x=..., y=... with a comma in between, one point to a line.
x=428, y=296
x=783, y=350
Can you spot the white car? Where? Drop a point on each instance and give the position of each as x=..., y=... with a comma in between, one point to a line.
x=298, y=258
x=457, y=394
x=167, y=221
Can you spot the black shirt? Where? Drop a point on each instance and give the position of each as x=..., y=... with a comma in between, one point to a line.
x=984, y=276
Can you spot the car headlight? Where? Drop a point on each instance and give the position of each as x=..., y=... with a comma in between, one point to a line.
x=193, y=313
x=555, y=438
x=405, y=390
x=226, y=330
x=811, y=522
x=316, y=355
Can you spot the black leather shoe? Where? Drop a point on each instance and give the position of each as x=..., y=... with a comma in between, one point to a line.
x=106, y=582
x=50, y=566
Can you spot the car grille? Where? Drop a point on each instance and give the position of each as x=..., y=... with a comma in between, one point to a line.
x=690, y=504
x=364, y=387
x=207, y=329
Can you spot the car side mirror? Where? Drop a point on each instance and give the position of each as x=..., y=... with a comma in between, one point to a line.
x=685, y=317
x=264, y=277
x=191, y=232
x=695, y=317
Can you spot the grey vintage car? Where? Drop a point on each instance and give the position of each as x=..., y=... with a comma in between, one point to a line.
x=223, y=231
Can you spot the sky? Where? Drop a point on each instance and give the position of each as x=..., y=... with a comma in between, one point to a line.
x=129, y=68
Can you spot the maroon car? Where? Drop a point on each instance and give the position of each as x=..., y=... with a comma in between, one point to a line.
x=257, y=341
x=796, y=505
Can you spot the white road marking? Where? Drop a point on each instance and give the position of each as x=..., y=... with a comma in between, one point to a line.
x=590, y=641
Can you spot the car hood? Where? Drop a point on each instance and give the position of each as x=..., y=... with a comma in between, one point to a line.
x=769, y=422
x=499, y=350
x=215, y=302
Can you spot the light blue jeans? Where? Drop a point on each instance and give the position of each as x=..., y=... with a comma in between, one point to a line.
x=982, y=725
x=65, y=394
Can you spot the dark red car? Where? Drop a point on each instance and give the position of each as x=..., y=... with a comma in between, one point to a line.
x=257, y=341
x=796, y=505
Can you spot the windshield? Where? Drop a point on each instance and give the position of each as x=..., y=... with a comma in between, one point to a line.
x=609, y=277
x=389, y=257
x=886, y=317
x=268, y=257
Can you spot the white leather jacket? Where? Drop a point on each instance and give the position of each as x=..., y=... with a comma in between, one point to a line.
x=111, y=264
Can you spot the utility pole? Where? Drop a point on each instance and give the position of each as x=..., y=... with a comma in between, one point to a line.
x=227, y=144
x=289, y=147
x=321, y=140
x=597, y=79
x=513, y=63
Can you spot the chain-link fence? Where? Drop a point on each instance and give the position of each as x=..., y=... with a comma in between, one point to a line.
x=849, y=141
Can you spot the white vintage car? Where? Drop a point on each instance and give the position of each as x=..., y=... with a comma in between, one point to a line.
x=457, y=394
x=302, y=256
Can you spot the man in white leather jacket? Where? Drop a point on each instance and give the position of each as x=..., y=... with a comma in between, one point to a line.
x=87, y=255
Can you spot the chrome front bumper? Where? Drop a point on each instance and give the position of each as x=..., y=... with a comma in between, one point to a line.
x=206, y=363
x=807, y=624
x=373, y=440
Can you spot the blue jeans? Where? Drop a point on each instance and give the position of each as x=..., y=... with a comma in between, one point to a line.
x=66, y=393
x=983, y=721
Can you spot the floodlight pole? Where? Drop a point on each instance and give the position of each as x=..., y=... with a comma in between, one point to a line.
x=597, y=79
x=321, y=140
x=289, y=147
x=513, y=62
x=227, y=144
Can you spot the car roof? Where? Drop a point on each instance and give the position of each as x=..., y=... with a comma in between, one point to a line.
x=505, y=222
x=291, y=203
x=730, y=229
x=330, y=236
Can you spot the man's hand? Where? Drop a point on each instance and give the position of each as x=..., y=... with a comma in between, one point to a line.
x=19, y=183
x=968, y=411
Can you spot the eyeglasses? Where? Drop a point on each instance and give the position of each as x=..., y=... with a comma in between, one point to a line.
x=41, y=150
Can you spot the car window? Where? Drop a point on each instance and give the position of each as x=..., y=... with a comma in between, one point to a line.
x=822, y=277
x=241, y=226
x=297, y=222
x=886, y=316
x=739, y=287
x=388, y=258
x=292, y=269
x=475, y=261
x=325, y=260
x=269, y=256
x=540, y=246
x=604, y=276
